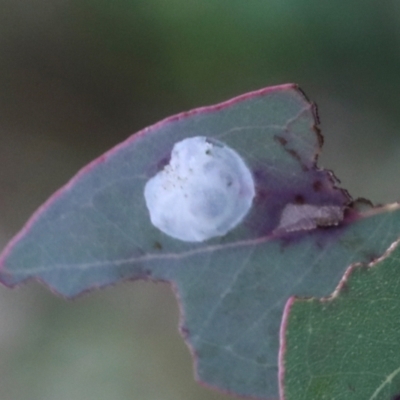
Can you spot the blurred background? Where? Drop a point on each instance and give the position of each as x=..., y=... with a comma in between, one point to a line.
x=79, y=76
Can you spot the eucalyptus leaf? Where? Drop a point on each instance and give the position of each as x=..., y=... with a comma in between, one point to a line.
x=347, y=347
x=298, y=238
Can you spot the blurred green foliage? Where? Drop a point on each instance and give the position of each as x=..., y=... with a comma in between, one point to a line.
x=128, y=55
x=78, y=76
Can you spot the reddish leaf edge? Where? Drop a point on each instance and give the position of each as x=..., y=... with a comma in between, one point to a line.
x=342, y=286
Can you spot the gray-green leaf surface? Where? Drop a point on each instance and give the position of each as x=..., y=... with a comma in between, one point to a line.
x=347, y=347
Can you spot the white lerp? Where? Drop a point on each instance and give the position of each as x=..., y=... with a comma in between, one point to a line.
x=205, y=191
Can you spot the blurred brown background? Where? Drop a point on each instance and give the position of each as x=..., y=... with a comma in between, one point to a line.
x=79, y=76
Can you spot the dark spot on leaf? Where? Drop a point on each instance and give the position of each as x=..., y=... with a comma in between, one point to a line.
x=317, y=186
x=281, y=140
x=396, y=397
x=299, y=199
x=372, y=257
x=158, y=165
x=163, y=162
x=157, y=245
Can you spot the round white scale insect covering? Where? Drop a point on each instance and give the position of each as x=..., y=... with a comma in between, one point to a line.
x=205, y=191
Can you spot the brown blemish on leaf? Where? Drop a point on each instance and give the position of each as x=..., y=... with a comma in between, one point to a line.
x=157, y=246
x=281, y=140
